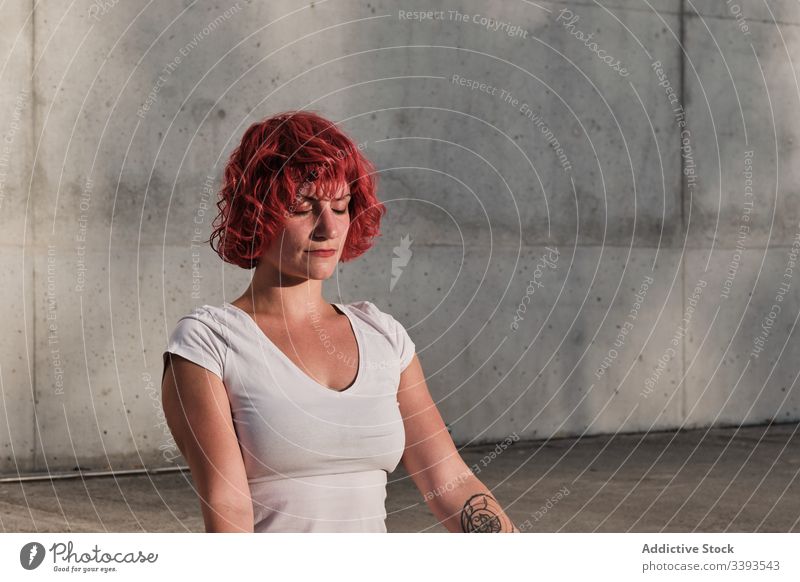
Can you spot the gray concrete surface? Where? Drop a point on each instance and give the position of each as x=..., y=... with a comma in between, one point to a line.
x=117, y=116
x=723, y=480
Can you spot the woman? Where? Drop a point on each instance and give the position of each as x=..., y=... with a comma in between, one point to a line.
x=289, y=410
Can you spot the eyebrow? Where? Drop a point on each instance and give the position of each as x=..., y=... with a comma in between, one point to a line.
x=348, y=195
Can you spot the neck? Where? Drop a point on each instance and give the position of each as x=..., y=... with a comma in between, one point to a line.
x=275, y=294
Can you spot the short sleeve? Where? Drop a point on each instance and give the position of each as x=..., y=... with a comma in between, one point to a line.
x=405, y=346
x=196, y=337
x=407, y=349
x=396, y=333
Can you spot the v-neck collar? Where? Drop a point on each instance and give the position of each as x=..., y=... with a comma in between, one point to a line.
x=356, y=333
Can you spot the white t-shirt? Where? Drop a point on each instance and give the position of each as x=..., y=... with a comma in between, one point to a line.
x=316, y=459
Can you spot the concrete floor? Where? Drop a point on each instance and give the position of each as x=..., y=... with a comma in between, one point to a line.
x=735, y=480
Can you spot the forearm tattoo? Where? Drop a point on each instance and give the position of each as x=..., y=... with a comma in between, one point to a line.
x=482, y=514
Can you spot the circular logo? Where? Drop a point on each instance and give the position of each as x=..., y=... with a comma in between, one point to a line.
x=31, y=555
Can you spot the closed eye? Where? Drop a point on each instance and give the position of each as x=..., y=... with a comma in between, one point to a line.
x=302, y=212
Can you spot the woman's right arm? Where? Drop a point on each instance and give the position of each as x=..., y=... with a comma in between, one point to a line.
x=197, y=411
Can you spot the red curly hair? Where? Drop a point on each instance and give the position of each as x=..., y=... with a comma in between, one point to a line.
x=263, y=177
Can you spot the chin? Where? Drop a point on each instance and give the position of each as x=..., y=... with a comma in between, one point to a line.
x=319, y=273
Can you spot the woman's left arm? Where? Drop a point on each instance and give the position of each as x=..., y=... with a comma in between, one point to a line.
x=454, y=494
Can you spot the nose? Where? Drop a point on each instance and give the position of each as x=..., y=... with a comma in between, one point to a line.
x=326, y=226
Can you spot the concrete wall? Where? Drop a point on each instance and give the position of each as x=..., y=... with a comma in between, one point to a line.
x=125, y=112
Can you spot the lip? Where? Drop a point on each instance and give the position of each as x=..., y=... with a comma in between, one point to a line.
x=323, y=253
